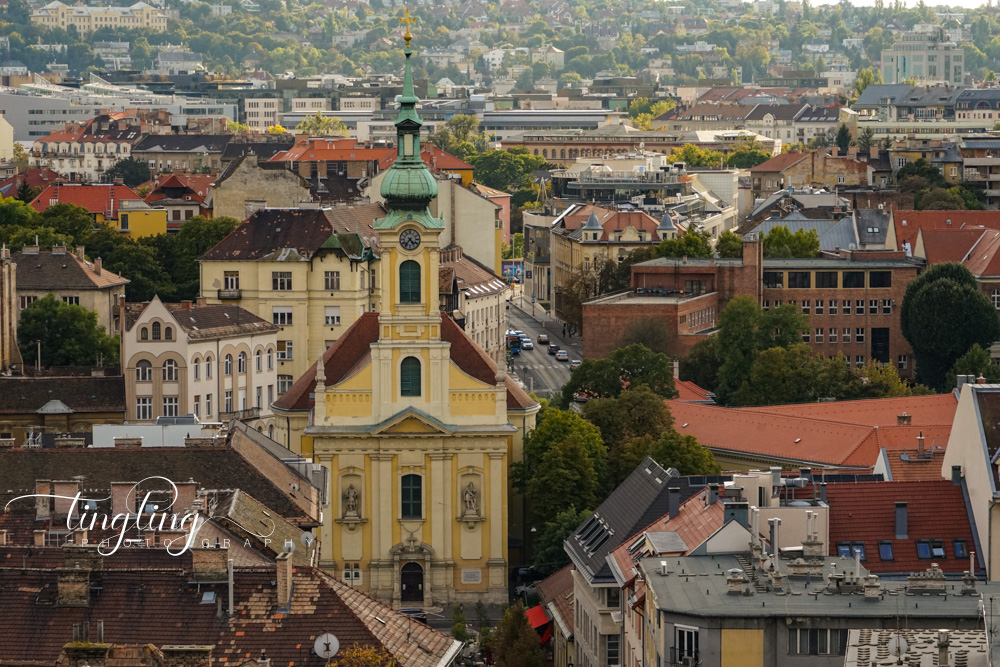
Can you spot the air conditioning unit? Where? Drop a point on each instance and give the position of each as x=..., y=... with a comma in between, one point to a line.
x=688, y=661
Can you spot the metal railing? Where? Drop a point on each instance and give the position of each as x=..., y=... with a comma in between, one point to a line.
x=230, y=294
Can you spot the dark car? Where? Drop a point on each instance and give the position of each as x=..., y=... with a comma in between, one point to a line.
x=415, y=614
x=543, y=339
x=553, y=348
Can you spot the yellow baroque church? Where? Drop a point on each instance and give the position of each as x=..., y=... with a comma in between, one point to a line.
x=415, y=422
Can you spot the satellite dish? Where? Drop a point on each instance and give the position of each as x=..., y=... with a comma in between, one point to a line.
x=326, y=645
x=897, y=646
x=307, y=539
x=289, y=546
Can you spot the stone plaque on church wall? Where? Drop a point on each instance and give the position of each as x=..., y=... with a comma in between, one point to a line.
x=472, y=576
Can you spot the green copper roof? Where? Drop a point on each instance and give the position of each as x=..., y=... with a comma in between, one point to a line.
x=408, y=185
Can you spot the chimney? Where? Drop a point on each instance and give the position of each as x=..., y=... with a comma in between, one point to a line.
x=284, y=571
x=186, y=493
x=806, y=473
x=209, y=564
x=84, y=653
x=833, y=151
x=186, y=305
x=64, y=492
x=956, y=475
x=873, y=152
x=735, y=580
x=201, y=302
x=3, y=538
x=822, y=492
x=187, y=655
x=775, y=548
x=58, y=250
x=73, y=584
x=98, y=265
x=43, y=499
x=123, y=498
x=920, y=443
x=713, y=493
x=943, y=644
x=980, y=379
x=903, y=419
x=79, y=252
x=901, y=520
x=673, y=502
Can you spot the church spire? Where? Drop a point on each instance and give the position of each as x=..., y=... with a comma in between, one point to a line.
x=408, y=184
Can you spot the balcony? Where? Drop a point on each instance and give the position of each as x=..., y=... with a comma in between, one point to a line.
x=230, y=294
x=683, y=657
x=240, y=415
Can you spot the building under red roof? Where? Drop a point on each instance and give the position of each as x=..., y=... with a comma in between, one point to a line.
x=98, y=199
x=36, y=178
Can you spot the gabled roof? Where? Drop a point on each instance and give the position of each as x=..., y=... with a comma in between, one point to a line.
x=273, y=234
x=575, y=218
x=717, y=112
x=24, y=395
x=264, y=150
x=907, y=223
x=217, y=321
x=35, y=176
x=833, y=234
x=53, y=271
x=102, y=199
x=866, y=512
x=781, y=162
x=872, y=225
x=555, y=593
x=164, y=609
x=182, y=143
x=329, y=149
x=983, y=259
x=951, y=245
x=780, y=112
x=874, y=94
x=634, y=503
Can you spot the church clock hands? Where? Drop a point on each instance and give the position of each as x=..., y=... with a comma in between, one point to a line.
x=409, y=239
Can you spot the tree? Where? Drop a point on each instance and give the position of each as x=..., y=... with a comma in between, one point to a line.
x=692, y=156
x=636, y=412
x=843, y=139
x=702, y=363
x=554, y=426
x=976, y=362
x=515, y=643
x=691, y=243
x=943, y=315
x=729, y=245
x=549, y=552
x=276, y=130
x=364, y=656
x=20, y=156
x=625, y=367
x=26, y=193
x=921, y=167
x=671, y=450
x=879, y=380
x=70, y=220
x=866, y=139
x=460, y=134
x=565, y=475
x=322, y=126
x=69, y=335
x=131, y=171
x=650, y=332
x=793, y=374
x=779, y=242
x=746, y=154
x=865, y=78
x=501, y=169
x=939, y=199
x=458, y=629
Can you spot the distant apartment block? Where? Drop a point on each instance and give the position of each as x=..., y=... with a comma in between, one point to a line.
x=924, y=57
x=88, y=19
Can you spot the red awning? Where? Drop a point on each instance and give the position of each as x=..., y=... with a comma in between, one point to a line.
x=537, y=617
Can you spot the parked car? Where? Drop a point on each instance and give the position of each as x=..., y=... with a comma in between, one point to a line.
x=553, y=348
x=562, y=355
x=526, y=344
x=575, y=363
x=416, y=614
x=543, y=339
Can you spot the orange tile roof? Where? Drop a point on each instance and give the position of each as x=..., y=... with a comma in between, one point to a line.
x=316, y=149
x=865, y=512
x=950, y=245
x=433, y=157
x=917, y=220
x=906, y=466
x=103, y=199
x=689, y=391
x=611, y=220
x=983, y=259
x=923, y=410
x=556, y=592
x=764, y=434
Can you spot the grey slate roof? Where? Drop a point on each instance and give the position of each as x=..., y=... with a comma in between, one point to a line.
x=873, y=225
x=633, y=505
x=833, y=234
x=875, y=92
x=182, y=143
x=804, y=200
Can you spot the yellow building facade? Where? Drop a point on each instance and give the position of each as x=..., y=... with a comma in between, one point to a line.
x=414, y=421
x=88, y=19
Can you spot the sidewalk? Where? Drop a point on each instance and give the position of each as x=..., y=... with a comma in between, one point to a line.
x=549, y=322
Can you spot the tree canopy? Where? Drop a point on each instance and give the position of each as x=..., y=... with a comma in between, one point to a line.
x=515, y=642
x=780, y=242
x=320, y=125
x=70, y=335
x=625, y=367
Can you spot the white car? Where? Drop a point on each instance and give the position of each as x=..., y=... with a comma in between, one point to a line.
x=526, y=344
x=575, y=363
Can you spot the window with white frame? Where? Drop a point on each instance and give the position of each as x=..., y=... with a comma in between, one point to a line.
x=170, y=371
x=197, y=406
x=170, y=406
x=228, y=402
x=270, y=359
x=144, y=371
x=144, y=408
x=859, y=335
x=331, y=280
x=284, y=350
x=902, y=362
x=258, y=359
x=817, y=641
x=281, y=315
x=227, y=365
x=332, y=316
x=208, y=368
x=241, y=363
x=196, y=367
x=281, y=281
x=284, y=383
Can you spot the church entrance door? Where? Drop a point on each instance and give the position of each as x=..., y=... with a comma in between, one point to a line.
x=411, y=583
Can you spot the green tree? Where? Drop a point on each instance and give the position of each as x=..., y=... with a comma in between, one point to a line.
x=843, y=139
x=976, y=362
x=924, y=169
x=729, y=245
x=26, y=193
x=15, y=237
x=702, y=363
x=939, y=199
x=501, y=169
x=515, y=643
x=459, y=132
x=943, y=315
x=691, y=243
x=625, y=367
x=322, y=126
x=866, y=139
x=140, y=264
x=131, y=171
x=549, y=554
x=17, y=213
x=69, y=220
x=552, y=427
x=634, y=413
x=565, y=475
x=745, y=158
x=779, y=242
x=879, y=380
x=20, y=156
x=865, y=78
x=650, y=332
x=69, y=335
x=794, y=374
x=692, y=156
x=671, y=450
x=458, y=629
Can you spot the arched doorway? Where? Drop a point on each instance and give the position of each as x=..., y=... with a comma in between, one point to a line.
x=411, y=582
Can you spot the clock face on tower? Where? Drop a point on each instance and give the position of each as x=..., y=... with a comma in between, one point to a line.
x=409, y=239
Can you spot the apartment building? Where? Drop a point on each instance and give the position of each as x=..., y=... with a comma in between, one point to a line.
x=261, y=113
x=924, y=57
x=476, y=297
x=310, y=272
x=216, y=362
x=84, y=151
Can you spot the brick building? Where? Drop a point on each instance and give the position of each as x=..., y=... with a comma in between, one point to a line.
x=819, y=168
x=853, y=300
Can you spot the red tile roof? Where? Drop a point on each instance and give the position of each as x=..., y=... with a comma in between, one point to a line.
x=611, y=220
x=433, y=157
x=556, y=592
x=355, y=343
x=689, y=391
x=103, y=199
x=983, y=259
x=316, y=149
x=865, y=512
x=917, y=220
x=781, y=162
x=906, y=466
x=923, y=410
x=950, y=245
x=147, y=598
x=36, y=177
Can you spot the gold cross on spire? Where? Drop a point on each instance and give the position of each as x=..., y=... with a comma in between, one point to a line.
x=407, y=20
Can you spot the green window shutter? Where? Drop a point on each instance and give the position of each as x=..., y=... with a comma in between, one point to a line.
x=409, y=377
x=409, y=282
